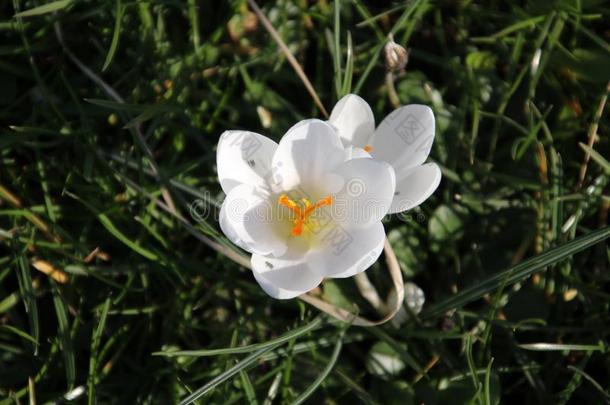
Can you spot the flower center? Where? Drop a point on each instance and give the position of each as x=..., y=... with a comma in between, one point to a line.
x=302, y=213
x=368, y=148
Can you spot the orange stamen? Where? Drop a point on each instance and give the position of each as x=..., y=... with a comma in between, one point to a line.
x=368, y=148
x=302, y=214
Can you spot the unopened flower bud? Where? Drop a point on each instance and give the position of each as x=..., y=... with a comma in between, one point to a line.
x=396, y=56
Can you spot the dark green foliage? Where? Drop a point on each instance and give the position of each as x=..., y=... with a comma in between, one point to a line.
x=107, y=108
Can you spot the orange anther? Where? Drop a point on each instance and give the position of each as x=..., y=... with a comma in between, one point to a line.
x=302, y=214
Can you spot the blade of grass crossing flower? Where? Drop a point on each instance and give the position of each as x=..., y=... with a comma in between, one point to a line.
x=64, y=335
x=44, y=9
x=517, y=273
x=329, y=367
x=114, y=44
x=93, y=359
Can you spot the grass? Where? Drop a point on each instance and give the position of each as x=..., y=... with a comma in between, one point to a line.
x=112, y=287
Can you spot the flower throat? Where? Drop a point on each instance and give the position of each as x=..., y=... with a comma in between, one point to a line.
x=302, y=213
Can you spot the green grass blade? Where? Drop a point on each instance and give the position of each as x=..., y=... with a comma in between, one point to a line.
x=93, y=359
x=64, y=336
x=242, y=365
x=377, y=50
x=293, y=334
x=113, y=105
x=320, y=379
x=597, y=157
x=595, y=384
x=44, y=9
x=114, y=44
x=29, y=298
x=548, y=347
x=488, y=383
x=527, y=23
x=337, y=47
x=248, y=388
x=18, y=332
x=478, y=387
x=349, y=67
x=110, y=227
x=517, y=273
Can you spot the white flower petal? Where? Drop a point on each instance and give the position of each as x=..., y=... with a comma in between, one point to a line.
x=306, y=155
x=346, y=251
x=404, y=138
x=248, y=220
x=414, y=186
x=243, y=157
x=367, y=193
x=228, y=229
x=284, y=277
x=354, y=120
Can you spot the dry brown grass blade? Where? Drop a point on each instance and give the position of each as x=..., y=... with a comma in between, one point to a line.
x=12, y=199
x=47, y=268
x=295, y=64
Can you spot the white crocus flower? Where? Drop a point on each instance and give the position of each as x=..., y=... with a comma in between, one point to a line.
x=403, y=139
x=302, y=209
